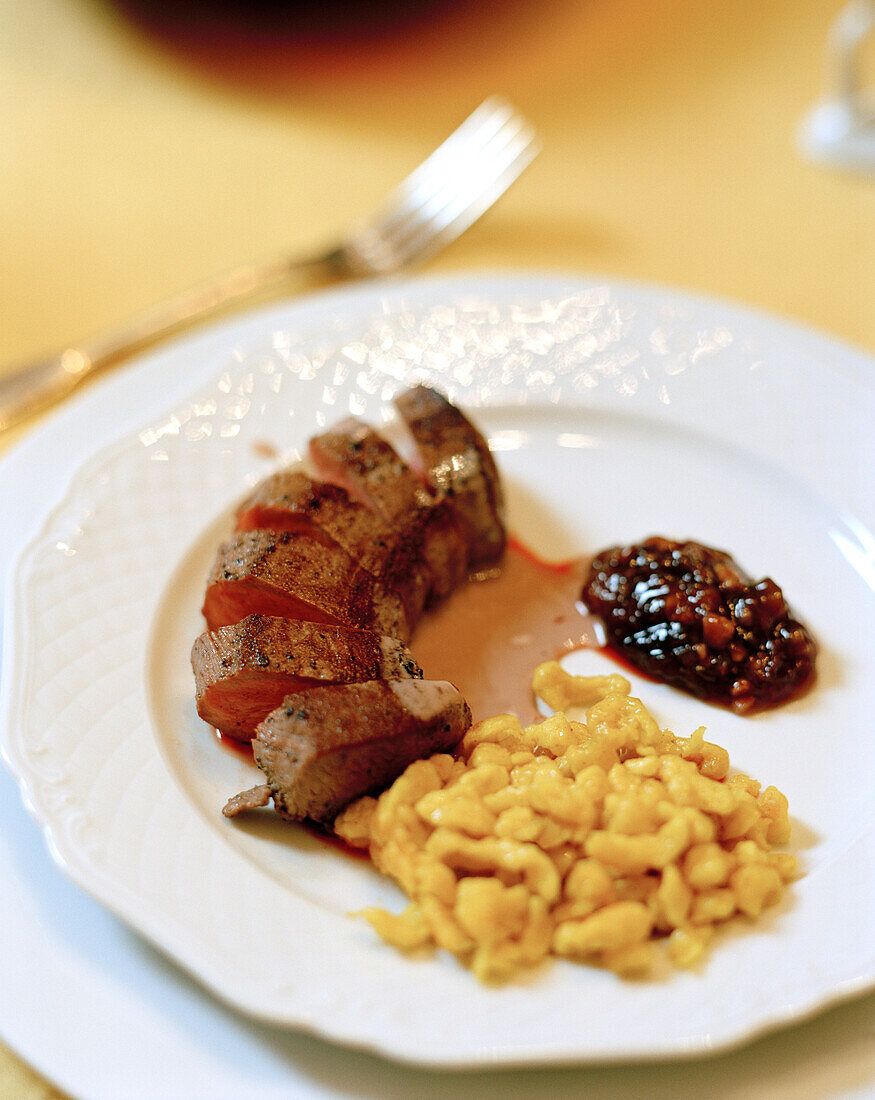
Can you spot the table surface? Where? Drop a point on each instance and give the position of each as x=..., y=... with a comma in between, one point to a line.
x=141, y=159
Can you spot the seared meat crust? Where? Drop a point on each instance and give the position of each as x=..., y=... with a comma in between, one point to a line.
x=291, y=501
x=245, y=670
x=308, y=606
x=297, y=576
x=459, y=467
x=324, y=747
x=355, y=457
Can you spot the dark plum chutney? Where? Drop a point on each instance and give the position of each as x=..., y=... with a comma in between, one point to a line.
x=686, y=614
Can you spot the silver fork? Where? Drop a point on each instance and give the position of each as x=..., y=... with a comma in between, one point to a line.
x=451, y=189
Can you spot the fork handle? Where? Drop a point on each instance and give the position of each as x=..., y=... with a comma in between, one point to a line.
x=36, y=386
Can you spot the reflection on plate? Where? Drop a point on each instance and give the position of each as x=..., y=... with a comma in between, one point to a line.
x=614, y=413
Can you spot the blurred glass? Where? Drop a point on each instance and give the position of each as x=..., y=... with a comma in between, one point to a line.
x=841, y=130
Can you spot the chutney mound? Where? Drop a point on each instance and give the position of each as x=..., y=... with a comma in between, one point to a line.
x=688, y=615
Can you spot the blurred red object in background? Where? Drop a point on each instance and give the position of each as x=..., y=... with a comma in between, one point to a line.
x=275, y=44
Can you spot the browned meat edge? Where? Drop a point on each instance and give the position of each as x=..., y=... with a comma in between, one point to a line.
x=297, y=576
x=355, y=457
x=460, y=467
x=245, y=670
x=290, y=500
x=325, y=747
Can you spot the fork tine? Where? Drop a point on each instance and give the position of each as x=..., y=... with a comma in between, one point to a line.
x=473, y=167
x=451, y=171
x=449, y=190
x=477, y=130
x=436, y=202
x=450, y=165
x=450, y=213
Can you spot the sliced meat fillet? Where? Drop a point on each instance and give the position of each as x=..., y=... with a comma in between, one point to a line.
x=245, y=670
x=458, y=465
x=353, y=455
x=290, y=500
x=325, y=747
x=358, y=459
x=297, y=576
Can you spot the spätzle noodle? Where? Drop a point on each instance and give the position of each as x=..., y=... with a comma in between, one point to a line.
x=597, y=840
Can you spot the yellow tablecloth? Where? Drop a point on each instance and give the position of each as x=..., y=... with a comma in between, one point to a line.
x=670, y=156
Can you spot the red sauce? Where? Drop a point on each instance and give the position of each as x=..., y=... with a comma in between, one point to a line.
x=619, y=657
x=233, y=744
x=318, y=832
x=490, y=634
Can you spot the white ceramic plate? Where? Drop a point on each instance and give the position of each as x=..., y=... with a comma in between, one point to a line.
x=615, y=412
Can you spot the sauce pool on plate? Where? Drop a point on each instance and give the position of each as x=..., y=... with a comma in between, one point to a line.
x=489, y=635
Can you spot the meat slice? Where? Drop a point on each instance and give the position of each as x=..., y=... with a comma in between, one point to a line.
x=297, y=576
x=253, y=799
x=324, y=747
x=291, y=501
x=459, y=467
x=355, y=457
x=245, y=670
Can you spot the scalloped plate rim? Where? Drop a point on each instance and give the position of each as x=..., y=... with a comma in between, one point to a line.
x=80, y=874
